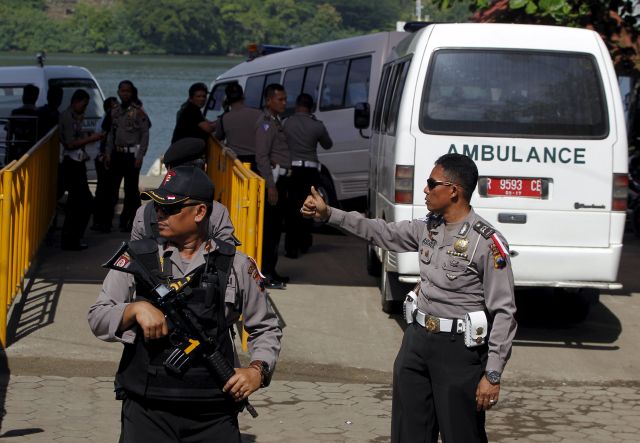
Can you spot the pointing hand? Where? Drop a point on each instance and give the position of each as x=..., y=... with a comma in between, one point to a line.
x=314, y=206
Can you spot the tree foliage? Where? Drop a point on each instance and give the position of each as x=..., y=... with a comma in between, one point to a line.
x=189, y=26
x=615, y=20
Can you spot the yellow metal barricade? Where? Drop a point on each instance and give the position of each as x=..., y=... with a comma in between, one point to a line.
x=27, y=206
x=242, y=191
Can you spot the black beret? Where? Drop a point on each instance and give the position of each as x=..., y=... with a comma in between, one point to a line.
x=183, y=151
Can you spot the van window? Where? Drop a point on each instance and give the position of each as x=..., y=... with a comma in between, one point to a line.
x=393, y=81
x=10, y=98
x=214, y=106
x=346, y=82
x=254, y=88
x=293, y=80
x=312, y=81
x=514, y=93
x=69, y=86
x=392, y=115
x=358, y=82
x=384, y=83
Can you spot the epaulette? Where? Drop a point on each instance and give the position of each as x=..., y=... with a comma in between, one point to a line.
x=484, y=229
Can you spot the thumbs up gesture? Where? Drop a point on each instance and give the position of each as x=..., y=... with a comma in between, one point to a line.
x=314, y=206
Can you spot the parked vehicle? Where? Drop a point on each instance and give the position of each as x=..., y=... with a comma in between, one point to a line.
x=338, y=75
x=539, y=110
x=14, y=78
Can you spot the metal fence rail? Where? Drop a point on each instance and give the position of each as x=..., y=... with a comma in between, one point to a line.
x=27, y=206
x=242, y=192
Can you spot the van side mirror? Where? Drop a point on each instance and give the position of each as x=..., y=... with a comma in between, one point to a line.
x=361, y=115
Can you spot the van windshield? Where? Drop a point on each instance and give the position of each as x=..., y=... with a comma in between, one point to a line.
x=514, y=93
x=69, y=85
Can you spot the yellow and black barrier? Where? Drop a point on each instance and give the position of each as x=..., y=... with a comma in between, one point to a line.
x=27, y=207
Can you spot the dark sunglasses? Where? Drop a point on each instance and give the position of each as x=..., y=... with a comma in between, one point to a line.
x=432, y=183
x=174, y=208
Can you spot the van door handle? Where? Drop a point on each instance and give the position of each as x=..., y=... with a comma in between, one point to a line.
x=506, y=217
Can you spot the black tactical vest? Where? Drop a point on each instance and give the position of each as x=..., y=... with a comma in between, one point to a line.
x=142, y=371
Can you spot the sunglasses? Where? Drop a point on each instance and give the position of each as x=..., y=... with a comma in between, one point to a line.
x=432, y=183
x=173, y=209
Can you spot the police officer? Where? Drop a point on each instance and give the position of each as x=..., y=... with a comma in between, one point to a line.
x=236, y=125
x=274, y=165
x=73, y=171
x=159, y=405
x=187, y=151
x=303, y=132
x=127, y=144
x=447, y=372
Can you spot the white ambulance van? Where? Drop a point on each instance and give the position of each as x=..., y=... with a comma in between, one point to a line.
x=539, y=110
x=338, y=75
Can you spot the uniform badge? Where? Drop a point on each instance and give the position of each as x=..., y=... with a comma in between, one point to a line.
x=256, y=275
x=461, y=245
x=265, y=126
x=167, y=178
x=499, y=261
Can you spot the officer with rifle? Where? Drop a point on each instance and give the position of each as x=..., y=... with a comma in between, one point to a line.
x=172, y=305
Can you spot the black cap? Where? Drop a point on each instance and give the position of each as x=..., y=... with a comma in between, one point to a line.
x=183, y=151
x=180, y=184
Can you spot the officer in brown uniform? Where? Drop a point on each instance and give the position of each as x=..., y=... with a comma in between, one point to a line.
x=274, y=165
x=236, y=126
x=461, y=319
x=304, y=132
x=127, y=144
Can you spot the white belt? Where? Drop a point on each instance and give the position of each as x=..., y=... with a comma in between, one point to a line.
x=284, y=172
x=437, y=324
x=306, y=164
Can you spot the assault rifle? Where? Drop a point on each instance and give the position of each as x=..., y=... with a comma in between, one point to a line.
x=170, y=298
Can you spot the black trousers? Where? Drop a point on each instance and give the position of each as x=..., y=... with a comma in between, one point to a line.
x=182, y=422
x=79, y=201
x=249, y=159
x=434, y=387
x=298, y=229
x=273, y=218
x=103, y=207
x=123, y=167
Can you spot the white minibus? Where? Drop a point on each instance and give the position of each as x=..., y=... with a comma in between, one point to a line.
x=337, y=74
x=539, y=110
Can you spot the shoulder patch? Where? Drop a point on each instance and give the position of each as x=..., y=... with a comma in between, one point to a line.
x=254, y=272
x=499, y=261
x=265, y=126
x=484, y=229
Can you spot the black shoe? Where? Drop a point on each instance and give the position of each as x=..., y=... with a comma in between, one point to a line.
x=270, y=283
x=75, y=246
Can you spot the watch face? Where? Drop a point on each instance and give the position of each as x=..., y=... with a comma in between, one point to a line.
x=493, y=377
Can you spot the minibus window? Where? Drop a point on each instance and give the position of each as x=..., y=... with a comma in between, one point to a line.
x=335, y=79
x=514, y=93
x=293, y=79
x=253, y=91
x=216, y=99
x=358, y=81
x=274, y=77
x=380, y=100
x=10, y=99
x=392, y=116
x=312, y=81
x=69, y=86
x=393, y=80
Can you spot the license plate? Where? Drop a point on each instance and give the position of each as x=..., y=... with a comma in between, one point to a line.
x=514, y=187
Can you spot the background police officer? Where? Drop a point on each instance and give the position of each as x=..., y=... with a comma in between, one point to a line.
x=274, y=165
x=443, y=382
x=159, y=405
x=304, y=132
x=127, y=144
x=237, y=125
x=191, y=152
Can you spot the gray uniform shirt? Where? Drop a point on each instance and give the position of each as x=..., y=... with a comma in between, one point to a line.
x=220, y=225
x=237, y=127
x=130, y=127
x=460, y=271
x=244, y=294
x=271, y=147
x=303, y=133
x=70, y=127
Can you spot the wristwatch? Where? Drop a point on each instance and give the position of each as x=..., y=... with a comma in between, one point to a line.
x=493, y=377
x=265, y=373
